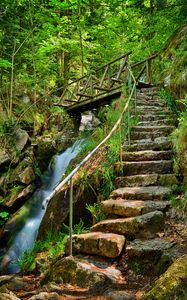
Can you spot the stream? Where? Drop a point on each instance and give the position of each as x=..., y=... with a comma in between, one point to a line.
x=25, y=227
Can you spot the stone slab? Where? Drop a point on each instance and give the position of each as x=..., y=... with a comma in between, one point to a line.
x=144, y=226
x=142, y=193
x=147, y=155
x=98, y=243
x=147, y=167
x=146, y=180
x=131, y=208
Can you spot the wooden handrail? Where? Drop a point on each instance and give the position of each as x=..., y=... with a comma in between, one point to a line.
x=143, y=61
x=100, y=68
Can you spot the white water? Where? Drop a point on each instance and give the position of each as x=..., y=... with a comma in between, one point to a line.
x=31, y=214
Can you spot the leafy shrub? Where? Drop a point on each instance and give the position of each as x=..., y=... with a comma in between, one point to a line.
x=27, y=262
x=171, y=103
x=4, y=216
x=96, y=212
x=7, y=125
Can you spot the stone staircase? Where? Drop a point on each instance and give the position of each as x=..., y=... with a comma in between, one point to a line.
x=136, y=209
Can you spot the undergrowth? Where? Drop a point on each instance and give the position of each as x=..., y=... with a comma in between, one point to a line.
x=52, y=245
x=179, y=138
x=171, y=103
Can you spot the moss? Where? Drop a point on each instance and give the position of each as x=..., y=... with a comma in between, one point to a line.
x=172, y=284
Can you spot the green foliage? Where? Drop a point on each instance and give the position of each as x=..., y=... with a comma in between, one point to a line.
x=136, y=268
x=4, y=216
x=4, y=63
x=96, y=212
x=8, y=126
x=179, y=138
x=79, y=228
x=52, y=244
x=171, y=103
x=27, y=262
x=16, y=188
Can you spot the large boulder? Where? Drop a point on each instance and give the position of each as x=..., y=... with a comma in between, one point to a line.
x=22, y=138
x=172, y=284
x=86, y=273
x=104, y=244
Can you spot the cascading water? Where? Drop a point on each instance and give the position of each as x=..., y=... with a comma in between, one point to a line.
x=25, y=227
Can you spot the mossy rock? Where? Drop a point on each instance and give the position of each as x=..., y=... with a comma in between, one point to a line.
x=76, y=272
x=172, y=285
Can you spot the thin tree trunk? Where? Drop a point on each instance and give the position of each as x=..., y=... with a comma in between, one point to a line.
x=12, y=81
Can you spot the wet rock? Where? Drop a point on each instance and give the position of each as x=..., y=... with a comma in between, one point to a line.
x=22, y=174
x=46, y=149
x=22, y=138
x=145, y=226
x=45, y=296
x=86, y=273
x=172, y=284
x=88, y=121
x=143, y=193
x=104, y=244
x=17, y=197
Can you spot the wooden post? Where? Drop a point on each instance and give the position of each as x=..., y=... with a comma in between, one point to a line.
x=71, y=217
x=148, y=71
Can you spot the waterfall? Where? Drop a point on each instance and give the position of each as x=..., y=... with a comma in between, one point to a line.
x=26, y=222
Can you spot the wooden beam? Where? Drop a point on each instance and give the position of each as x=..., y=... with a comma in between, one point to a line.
x=143, y=61
x=101, y=88
x=141, y=72
x=84, y=95
x=116, y=80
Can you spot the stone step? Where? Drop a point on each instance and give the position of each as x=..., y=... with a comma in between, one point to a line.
x=160, y=128
x=141, y=249
x=147, y=167
x=146, y=180
x=97, y=243
x=144, y=226
x=147, y=144
x=151, y=193
x=150, y=103
x=155, y=109
x=131, y=208
x=136, y=135
x=156, y=123
x=154, y=117
x=147, y=155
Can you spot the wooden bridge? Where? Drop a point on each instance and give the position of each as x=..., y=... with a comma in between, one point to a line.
x=105, y=84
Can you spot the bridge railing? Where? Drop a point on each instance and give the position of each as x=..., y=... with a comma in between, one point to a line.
x=142, y=70
x=101, y=81
x=106, y=79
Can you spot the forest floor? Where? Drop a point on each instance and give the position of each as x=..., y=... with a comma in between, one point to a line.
x=132, y=286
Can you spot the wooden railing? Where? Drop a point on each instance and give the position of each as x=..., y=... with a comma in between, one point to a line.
x=100, y=82
x=142, y=70
x=106, y=80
